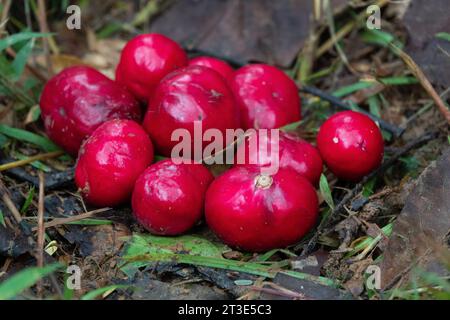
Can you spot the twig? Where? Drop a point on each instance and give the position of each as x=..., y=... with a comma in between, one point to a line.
x=41, y=228
x=8, y=201
x=43, y=25
x=418, y=73
x=60, y=221
x=4, y=17
x=396, y=131
x=352, y=193
x=37, y=157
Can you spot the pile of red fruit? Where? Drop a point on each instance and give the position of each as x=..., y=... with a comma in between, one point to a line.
x=103, y=122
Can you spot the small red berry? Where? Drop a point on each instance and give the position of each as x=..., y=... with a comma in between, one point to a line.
x=216, y=64
x=266, y=96
x=351, y=145
x=79, y=99
x=293, y=153
x=111, y=160
x=187, y=95
x=257, y=212
x=145, y=60
x=168, y=198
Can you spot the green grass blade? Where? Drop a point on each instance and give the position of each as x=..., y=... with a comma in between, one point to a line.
x=392, y=81
x=443, y=36
x=221, y=263
x=18, y=65
x=19, y=37
x=97, y=292
x=30, y=137
x=24, y=280
x=326, y=191
x=91, y=222
x=28, y=200
x=2, y=219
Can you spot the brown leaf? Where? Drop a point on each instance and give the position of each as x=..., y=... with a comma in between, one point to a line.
x=423, y=21
x=241, y=30
x=423, y=222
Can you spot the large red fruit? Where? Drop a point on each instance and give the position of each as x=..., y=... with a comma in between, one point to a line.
x=266, y=96
x=77, y=100
x=168, y=198
x=145, y=60
x=293, y=153
x=351, y=145
x=256, y=212
x=111, y=160
x=192, y=94
x=216, y=64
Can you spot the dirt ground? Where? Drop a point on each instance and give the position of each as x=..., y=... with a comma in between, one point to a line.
x=390, y=230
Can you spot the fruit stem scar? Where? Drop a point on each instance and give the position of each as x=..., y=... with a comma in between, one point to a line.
x=263, y=181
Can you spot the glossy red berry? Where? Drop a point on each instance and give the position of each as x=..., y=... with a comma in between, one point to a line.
x=293, y=153
x=145, y=60
x=351, y=145
x=110, y=161
x=77, y=100
x=188, y=95
x=168, y=198
x=216, y=64
x=266, y=96
x=257, y=212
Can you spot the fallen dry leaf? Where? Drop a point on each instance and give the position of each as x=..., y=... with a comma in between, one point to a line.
x=423, y=222
x=242, y=31
x=423, y=21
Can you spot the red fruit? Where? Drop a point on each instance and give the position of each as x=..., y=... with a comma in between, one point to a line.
x=293, y=153
x=79, y=99
x=257, y=212
x=111, y=160
x=266, y=96
x=145, y=60
x=216, y=64
x=168, y=198
x=194, y=93
x=351, y=145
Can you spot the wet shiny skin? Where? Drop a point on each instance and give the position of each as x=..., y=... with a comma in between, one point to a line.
x=111, y=160
x=351, y=145
x=168, y=198
x=267, y=98
x=218, y=65
x=256, y=219
x=190, y=94
x=77, y=100
x=145, y=60
x=294, y=153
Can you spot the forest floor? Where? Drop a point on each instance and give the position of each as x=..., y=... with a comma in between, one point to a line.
x=394, y=223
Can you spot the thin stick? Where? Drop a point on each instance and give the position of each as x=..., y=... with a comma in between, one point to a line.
x=28, y=160
x=4, y=17
x=61, y=221
x=8, y=201
x=41, y=228
x=418, y=73
x=43, y=25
